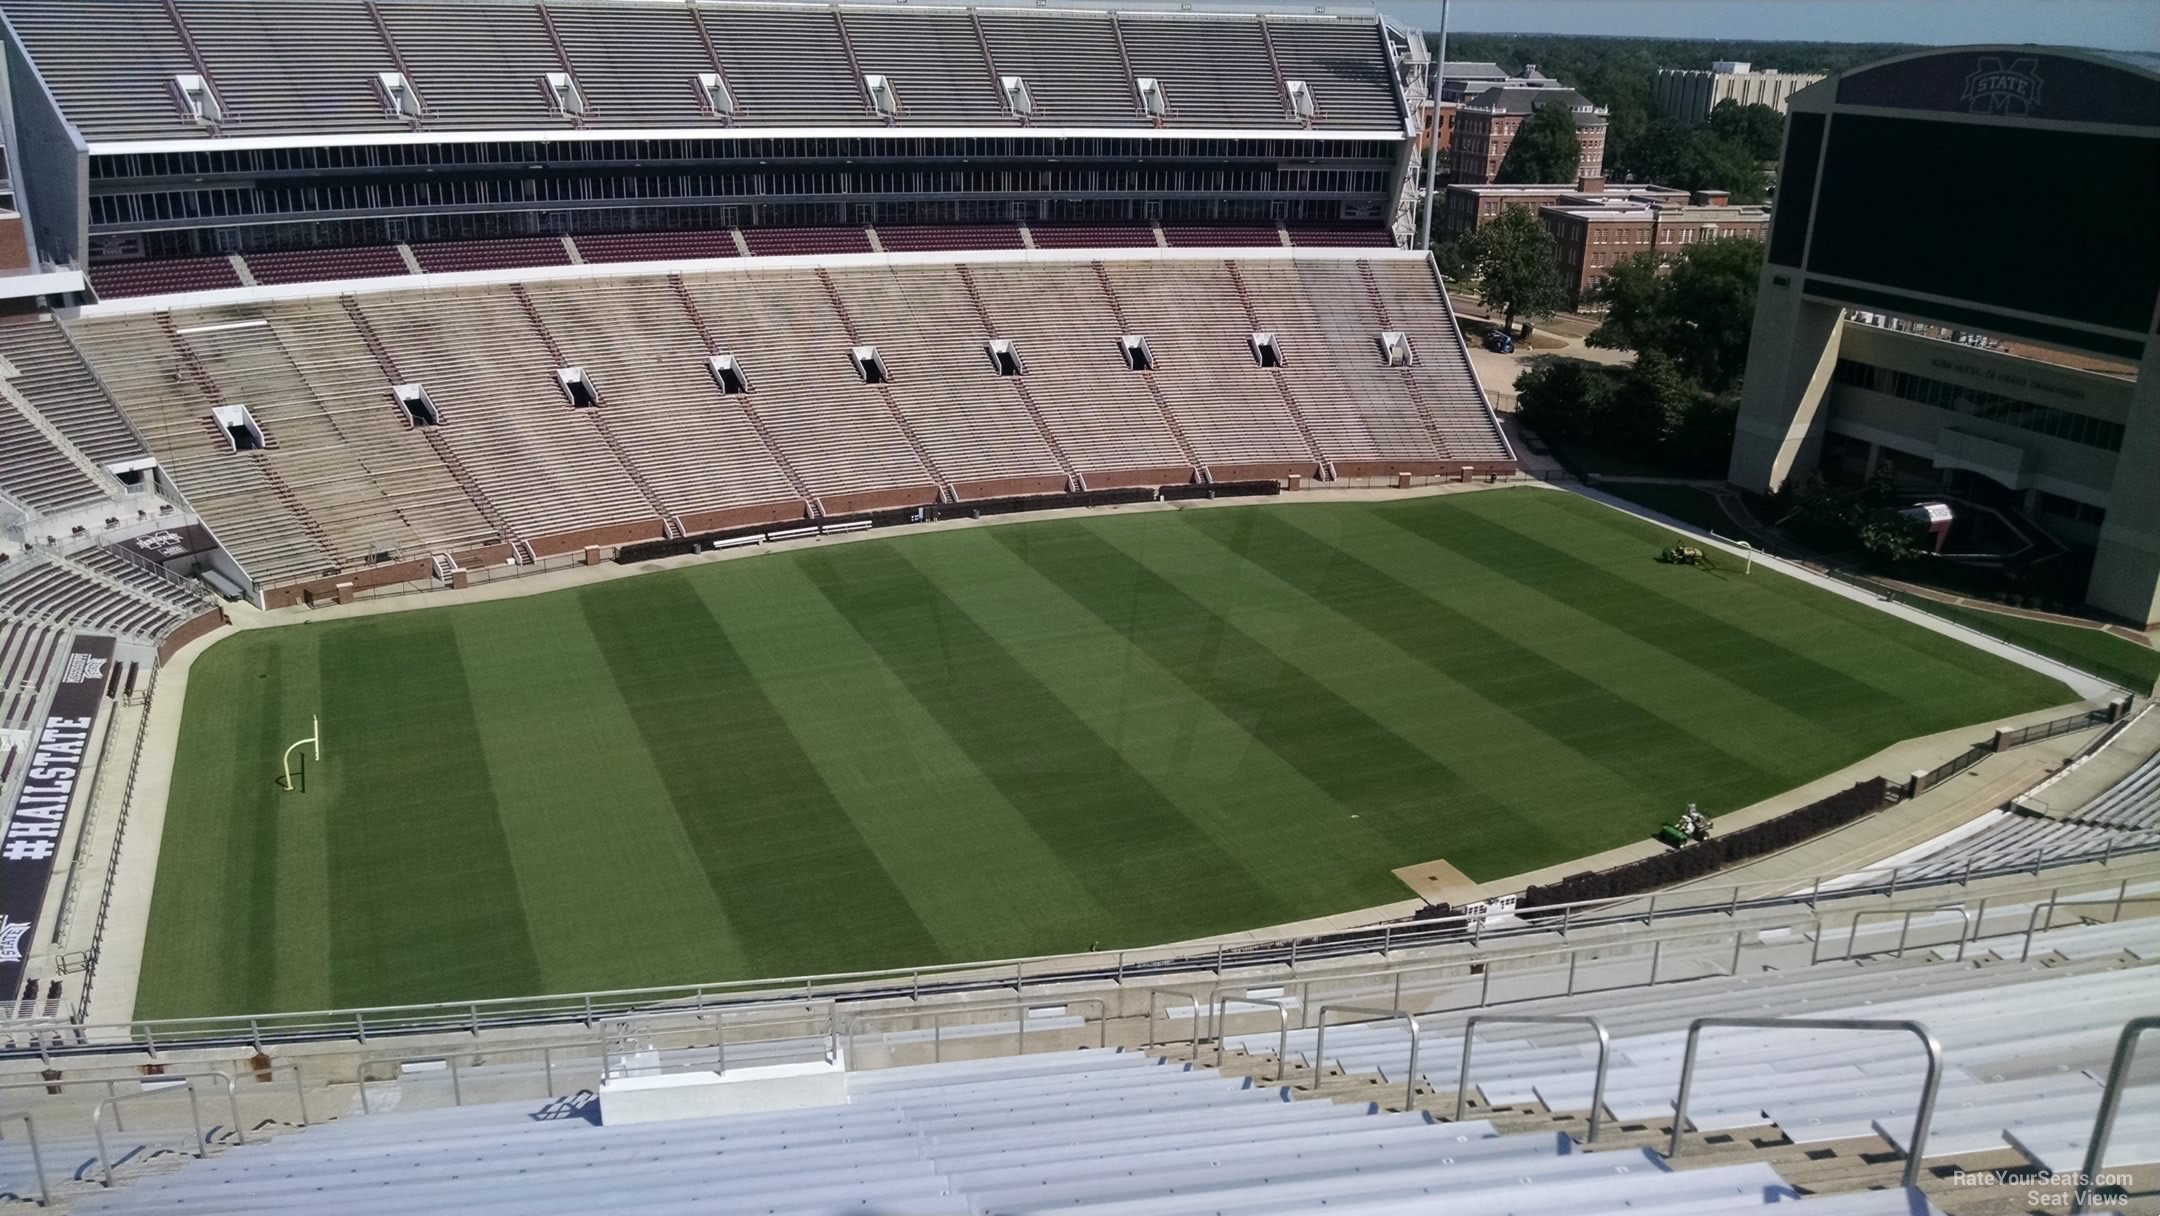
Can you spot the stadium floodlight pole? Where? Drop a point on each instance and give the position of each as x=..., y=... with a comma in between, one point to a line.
x=1432, y=138
x=315, y=738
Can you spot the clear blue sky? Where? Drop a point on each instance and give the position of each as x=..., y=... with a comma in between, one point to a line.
x=2131, y=25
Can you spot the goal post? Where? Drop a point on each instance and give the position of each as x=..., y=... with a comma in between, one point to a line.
x=314, y=740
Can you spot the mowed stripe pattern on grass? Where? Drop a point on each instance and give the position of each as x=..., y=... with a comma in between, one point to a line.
x=1039, y=736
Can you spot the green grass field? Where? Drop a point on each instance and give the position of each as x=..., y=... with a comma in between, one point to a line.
x=1033, y=737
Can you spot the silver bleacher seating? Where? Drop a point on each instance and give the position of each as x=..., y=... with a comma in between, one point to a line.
x=1091, y=1132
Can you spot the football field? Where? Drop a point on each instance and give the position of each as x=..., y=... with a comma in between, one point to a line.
x=1113, y=730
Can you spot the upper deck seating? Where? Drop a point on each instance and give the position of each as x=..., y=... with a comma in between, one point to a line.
x=322, y=265
x=113, y=280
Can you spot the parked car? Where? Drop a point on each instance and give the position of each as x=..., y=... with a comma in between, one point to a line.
x=1497, y=341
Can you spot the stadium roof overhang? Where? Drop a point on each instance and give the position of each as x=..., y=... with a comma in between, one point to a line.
x=244, y=143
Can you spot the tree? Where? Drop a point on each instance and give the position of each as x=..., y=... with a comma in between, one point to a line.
x=1453, y=256
x=1512, y=255
x=1709, y=309
x=1702, y=443
x=1754, y=126
x=1891, y=539
x=1634, y=297
x=1712, y=162
x=1649, y=408
x=1700, y=314
x=1561, y=399
x=1546, y=148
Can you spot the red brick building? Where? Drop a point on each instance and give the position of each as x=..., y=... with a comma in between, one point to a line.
x=1485, y=125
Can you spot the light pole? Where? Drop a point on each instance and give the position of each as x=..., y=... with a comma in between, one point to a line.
x=1432, y=165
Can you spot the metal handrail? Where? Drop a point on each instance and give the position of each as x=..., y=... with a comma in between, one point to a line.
x=1118, y=967
x=1597, y=1086
x=1319, y=1069
x=187, y=1082
x=937, y=1013
x=1915, y=1149
x=37, y=1156
x=457, y=1087
x=2118, y=1079
x=1282, y=1037
x=1156, y=997
x=548, y=1051
x=1905, y=928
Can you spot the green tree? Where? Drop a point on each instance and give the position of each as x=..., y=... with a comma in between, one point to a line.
x=1702, y=443
x=1754, y=126
x=1634, y=297
x=1712, y=162
x=1649, y=409
x=1546, y=148
x=1891, y=539
x=1709, y=309
x=1561, y=399
x=1512, y=255
x=1700, y=314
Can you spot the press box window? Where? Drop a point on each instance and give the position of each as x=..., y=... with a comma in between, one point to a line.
x=418, y=406
x=577, y=386
x=1004, y=357
x=728, y=374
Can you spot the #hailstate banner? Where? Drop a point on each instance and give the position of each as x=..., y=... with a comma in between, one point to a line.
x=35, y=824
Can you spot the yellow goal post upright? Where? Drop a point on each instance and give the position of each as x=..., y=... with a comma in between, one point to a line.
x=314, y=739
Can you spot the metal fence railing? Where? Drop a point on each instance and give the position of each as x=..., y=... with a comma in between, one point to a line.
x=50, y=1039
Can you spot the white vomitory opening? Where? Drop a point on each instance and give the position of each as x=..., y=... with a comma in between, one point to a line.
x=1004, y=357
x=578, y=387
x=418, y=406
x=868, y=364
x=398, y=95
x=1265, y=351
x=241, y=430
x=728, y=374
x=1137, y=355
x=197, y=100
x=1395, y=348
x=714, y=91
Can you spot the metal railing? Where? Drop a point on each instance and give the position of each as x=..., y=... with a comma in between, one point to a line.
x=1852, y=931
x=1597, y=1085
x=2118, y=1079
x=1157, y=998
x=186, y=1082
x=1916, y=1148
x=1319, y=1051
x=1282, y=1033
x=37, y=1156
x=938, y=1013
x=112, y=863
x=48, y=1039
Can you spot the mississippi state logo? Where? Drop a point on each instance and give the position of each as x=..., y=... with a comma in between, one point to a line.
x=11, y=935
x=1995, y=89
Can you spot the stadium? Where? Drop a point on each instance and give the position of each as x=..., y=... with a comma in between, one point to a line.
x=600, y=593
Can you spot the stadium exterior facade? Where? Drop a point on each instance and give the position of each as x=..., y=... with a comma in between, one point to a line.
x=2043, y=277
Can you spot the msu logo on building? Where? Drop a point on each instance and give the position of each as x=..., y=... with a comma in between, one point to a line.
x=1995, y=89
